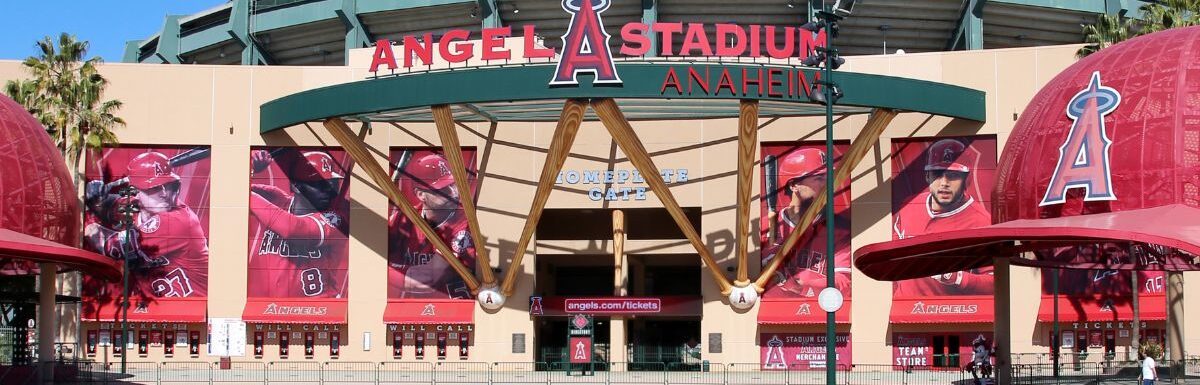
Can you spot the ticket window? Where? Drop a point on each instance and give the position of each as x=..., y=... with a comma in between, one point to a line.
x=441, y=345
x=260, y=341
x=397, y=345
x=463, y=346
x=335, y=345
x=143, y=343
x=284, y=341
x=92, y=340
x=419, y=343
x=1110, y=344
x=118, y=343
x=310, y=344
x=169, y=343
x=194, y=343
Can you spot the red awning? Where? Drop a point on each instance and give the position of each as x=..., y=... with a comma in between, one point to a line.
x=1173, y=226
x=295, y=311
x=1096, y=308
x=148, y=310
x=425, y=312
x=798, y=311
x=944, y=310
x=30, y=248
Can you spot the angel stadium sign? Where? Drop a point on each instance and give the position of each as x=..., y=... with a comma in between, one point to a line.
x=585, y=44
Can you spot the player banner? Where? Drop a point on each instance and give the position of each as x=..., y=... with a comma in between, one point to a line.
x=299, y=222
x=802, y=351
x=415, y=270
x=164, y=238
x=1102, y=295
x=793, y=175
x=942, y=184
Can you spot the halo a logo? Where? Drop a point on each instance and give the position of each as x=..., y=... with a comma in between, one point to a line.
x=585, y=45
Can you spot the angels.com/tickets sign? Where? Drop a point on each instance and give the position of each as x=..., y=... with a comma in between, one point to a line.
x=612, y=305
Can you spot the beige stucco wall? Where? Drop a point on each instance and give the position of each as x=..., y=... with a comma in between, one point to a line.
x=218, y=106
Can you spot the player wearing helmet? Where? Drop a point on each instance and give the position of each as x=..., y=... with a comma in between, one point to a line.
x=168, y=253
x=415, y=268
x=299, y=245
x=945, y=206
x=802, y=177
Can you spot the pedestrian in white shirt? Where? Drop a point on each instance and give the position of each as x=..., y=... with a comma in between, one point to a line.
x=1149, y=370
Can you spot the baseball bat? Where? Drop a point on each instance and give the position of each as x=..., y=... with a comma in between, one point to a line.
x=771, y=195
x=183, y=158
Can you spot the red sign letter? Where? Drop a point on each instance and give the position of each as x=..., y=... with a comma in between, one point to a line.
x=383, y=55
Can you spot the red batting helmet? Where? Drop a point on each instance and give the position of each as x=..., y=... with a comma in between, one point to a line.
x=948, y=154
x=317, y=166
x=799, y=164
x=432, y=171
x=150, y=169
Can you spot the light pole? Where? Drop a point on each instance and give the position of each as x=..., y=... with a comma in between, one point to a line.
x=827, y=19
x=128, y=209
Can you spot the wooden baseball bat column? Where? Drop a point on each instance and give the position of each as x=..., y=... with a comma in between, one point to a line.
x=489, y=297
x=358, y=151
x=1175, y=322
x=556, y=155
x=879, y=120
x=616, y=331
x=627, y=140
x=743, y=295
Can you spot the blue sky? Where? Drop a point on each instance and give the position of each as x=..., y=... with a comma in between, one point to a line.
x=107, y=24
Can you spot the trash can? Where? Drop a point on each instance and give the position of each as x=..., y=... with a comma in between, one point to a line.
x=225, y=363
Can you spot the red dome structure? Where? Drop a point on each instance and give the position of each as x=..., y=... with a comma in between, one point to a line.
x=39, y=211
x=1107, y=151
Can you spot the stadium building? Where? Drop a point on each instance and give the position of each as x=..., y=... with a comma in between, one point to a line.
x=268, y=141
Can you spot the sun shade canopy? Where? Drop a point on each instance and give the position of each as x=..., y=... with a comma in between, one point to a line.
x=1166, y=232
x=522, y=93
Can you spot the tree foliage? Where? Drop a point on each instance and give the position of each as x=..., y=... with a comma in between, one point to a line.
x=65, y=94
x=1156, y=16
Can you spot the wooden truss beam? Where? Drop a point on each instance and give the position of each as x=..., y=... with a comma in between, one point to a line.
x=358, y=151
x=556, y=155
x=879, y=120
x=444, y=120
x=747, y=144
x=631, y=145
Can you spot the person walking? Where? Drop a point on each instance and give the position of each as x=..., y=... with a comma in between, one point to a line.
x=1149, y=367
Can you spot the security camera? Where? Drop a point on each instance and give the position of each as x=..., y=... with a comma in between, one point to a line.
x=844, y=7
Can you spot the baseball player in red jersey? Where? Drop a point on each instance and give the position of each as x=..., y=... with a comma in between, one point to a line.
x=300, y=247
x=1099, y=282
x=168, y=253
x=946, y=206
x=415, y=268
x=802, y=173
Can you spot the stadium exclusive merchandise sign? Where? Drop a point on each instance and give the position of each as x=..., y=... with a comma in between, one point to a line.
x=801, y=351
x=579, y=338
x=586, y=49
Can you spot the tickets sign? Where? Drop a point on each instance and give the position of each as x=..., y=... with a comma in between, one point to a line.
x=612, y=305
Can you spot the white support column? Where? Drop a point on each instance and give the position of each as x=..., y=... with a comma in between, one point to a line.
x=1003, y=324
x=47, y=315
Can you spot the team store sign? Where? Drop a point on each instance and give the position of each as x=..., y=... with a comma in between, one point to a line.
x=586, y=49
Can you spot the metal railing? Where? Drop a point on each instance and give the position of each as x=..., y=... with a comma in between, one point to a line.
x=542, y=373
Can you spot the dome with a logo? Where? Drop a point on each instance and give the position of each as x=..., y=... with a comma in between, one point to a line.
x=1108, y=151
x=39, y=212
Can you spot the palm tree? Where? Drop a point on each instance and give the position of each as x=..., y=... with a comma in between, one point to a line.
x=66, y=95
x=1156, y=16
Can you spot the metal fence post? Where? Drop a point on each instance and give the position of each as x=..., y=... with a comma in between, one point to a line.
x=158, y=373
x=211, y=374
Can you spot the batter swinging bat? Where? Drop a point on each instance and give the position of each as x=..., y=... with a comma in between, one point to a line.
x=771, y=166
x=180, y=159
